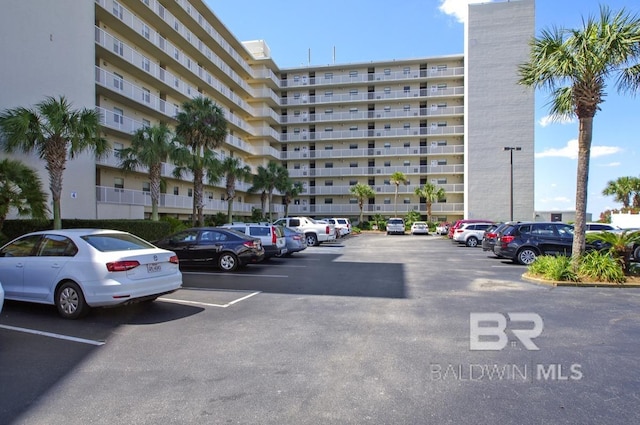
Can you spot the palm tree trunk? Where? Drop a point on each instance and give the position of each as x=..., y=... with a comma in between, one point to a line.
x=56, y=168
x=198, y=197
x=395, y=203
x=154, y=177
x=584, y=153
x=428, y=211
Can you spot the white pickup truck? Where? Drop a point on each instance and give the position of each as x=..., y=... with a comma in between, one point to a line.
x=314, y=232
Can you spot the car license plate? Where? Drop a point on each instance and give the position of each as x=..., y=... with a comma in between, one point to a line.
x=154, y=267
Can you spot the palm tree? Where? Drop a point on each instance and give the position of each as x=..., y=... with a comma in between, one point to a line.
x=620, y=245
x=56, y=132
x=268, y=179
x=621, y=190
x=362, y=192
x=201, y=127
x=205, y=165
x=290, y=190
x=21, y=190
x=397, y=178
x=233, y=171
x=431, y=193
x=574, y=65
x=150, y=147
x=635, y=186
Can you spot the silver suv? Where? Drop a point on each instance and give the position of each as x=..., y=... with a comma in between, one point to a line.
x=272, y=236
x=395, y=225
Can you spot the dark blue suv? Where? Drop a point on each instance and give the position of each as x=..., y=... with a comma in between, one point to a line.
x=524, y=242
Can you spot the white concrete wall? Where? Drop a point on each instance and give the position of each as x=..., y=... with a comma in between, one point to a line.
x=498, y=111
x=47, y=49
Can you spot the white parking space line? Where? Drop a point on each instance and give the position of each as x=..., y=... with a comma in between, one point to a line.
x=230, y=303
x=52, y=335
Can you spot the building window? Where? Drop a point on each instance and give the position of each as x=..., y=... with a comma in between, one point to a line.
x=387, y=145
x=176, y=54
x=406, y=125
x=353, y=74
x=117, y=10
x=146, y=123
x=118, y=47
x=328, y=75
x=353, y=182
x=296, y=95
x=353, y=200
x=328, y=182
x=296, y=78
x=387, y=108
x=353, y=128
x=296, y=131
x=328, y=200
x=353, y=110
x=442, y=123
x=328, y=129
x=118, y=81
x=296, y=113
x=117, y=146
x=118, y=116
x=146, y=33
x=328, y=165
x=353, y=164
x=407, y=144
x=328, y=147
x=146, y=64
x=176, y=190
x=190, y=193
x=406, y=70
x=328, y=111
x=353, y=146
x=146, y=95
x=118, y=183
x=387, y=90
x=146, y=187
x=407, y=89
x=353, y=92
x=407, y=107
x=387, y=201
x=407, y=163
x=442, y=86
x=406, y=201
x=328, y=93
x=387, y=126
x=387, y=71
x=387, y=163
x=296, y=166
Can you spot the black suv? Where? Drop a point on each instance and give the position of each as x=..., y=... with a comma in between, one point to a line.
x=523, y=242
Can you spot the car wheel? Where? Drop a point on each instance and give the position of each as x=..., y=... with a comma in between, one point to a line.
x=70, y=301
x=636, y=254
x=526, y=256
x=472, y=241
x=312, y=240
x=228, y=262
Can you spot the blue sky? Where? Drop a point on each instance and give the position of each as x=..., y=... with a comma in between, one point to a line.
x=372, y=30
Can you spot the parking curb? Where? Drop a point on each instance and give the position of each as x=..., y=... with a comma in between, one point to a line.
x=564, y=283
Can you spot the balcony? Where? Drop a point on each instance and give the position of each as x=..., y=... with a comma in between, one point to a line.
x=363, y=77
x=416, y=94
x=454, y=111
x=451, y=130
x=370, y=209
x=110, y=195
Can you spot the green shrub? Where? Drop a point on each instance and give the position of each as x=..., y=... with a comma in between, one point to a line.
x=601, y=267
x=556, y=268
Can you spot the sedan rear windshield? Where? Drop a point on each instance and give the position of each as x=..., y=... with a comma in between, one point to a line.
x=108, y=242
x=396, y=221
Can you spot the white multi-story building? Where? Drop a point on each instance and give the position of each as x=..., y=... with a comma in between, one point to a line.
x=444, y=120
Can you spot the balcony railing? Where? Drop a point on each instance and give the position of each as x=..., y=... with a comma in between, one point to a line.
x=372, y=115
x=110, y=195
x=363, y=77
x=369, y=209
x=369, y=133
x=416, y=94
x=307, y=154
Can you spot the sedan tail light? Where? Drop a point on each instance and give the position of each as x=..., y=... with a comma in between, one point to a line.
x=122, y=266
x=296, y=237
x=174, y=259
x=491, y=235
x=252, y=244
x=273, y=235
x=328, y=230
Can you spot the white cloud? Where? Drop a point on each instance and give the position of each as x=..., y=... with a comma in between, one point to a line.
x=610, y=164
x=458, y=8
x=571, y=151
x=549, y=119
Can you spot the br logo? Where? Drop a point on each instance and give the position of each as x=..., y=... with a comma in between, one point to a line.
x=487, y=331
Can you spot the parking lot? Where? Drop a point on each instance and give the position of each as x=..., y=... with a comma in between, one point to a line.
x=370, y=329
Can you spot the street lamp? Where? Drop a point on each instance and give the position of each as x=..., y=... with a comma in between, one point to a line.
x=511, y=149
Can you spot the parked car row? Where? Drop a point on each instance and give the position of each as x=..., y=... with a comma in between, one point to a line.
x=78, y=269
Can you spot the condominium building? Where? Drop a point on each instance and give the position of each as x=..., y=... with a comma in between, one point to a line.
x=443, y=120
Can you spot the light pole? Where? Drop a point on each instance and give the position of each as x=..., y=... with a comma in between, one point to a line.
x=511, y=149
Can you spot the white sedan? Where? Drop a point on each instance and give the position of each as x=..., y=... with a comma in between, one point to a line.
x=419, y=228
x=76, y=269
